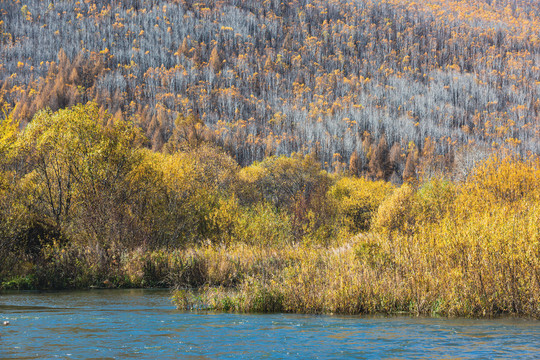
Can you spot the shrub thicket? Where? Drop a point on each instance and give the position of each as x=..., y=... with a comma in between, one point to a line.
x=84, y=203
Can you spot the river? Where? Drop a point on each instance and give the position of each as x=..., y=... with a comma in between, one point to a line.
x=143, y=324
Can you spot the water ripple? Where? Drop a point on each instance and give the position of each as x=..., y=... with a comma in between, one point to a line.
x=142, y=324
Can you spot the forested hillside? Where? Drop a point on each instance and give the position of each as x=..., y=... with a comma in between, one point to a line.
x=388, y=89
x=322, y=156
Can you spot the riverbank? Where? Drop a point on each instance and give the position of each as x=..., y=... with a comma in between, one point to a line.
x=278, y=235
x=369, y=274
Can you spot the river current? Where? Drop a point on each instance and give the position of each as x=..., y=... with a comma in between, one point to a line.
x=143, y=324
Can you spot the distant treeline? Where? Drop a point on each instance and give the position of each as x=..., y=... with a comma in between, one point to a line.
x=386, y=89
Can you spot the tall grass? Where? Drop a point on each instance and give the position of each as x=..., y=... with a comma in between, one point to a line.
x=463, y=249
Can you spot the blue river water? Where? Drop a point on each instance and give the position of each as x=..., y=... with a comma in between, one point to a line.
x=143, y=324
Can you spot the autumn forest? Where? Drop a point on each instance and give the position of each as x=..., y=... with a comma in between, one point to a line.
x=344, y=156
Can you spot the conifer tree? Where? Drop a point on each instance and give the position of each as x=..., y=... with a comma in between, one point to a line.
x=354, y=164
x=215, y=61
x=410, y=167
x=379, y=165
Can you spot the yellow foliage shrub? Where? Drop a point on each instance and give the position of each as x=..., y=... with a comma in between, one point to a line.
x=358, y=200
x=434, y=200
x=263, y=226
x=507, y=180
x=396, y=212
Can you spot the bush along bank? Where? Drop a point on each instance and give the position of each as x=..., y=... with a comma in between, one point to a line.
x=84, y=203
x=439, y=248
